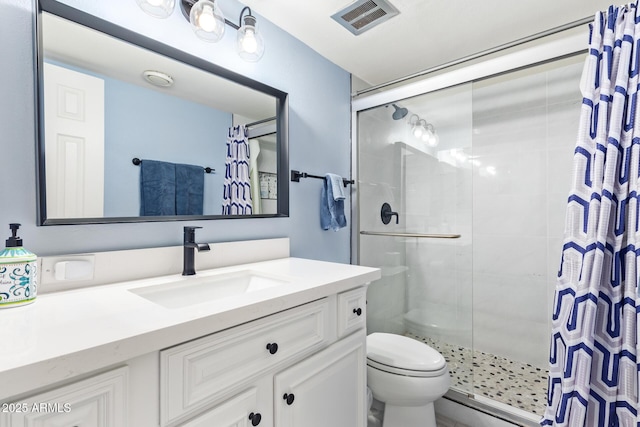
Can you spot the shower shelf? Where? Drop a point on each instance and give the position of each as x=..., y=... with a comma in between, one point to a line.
x=419, y=235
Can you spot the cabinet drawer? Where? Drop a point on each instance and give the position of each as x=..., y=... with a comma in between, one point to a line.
x=199, y=373
x=98, y=401
x=352, y=311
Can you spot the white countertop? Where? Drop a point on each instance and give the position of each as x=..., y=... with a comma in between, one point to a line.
x=70, y=333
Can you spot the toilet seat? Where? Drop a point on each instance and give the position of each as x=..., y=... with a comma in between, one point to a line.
x=397, y=354
x=405, y=372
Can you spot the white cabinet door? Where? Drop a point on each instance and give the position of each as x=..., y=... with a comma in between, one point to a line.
x=327, y=389
x=243, y=410
x=100, y=401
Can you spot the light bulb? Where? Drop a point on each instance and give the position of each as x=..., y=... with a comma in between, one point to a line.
x=249, y=42
x=207, y=21
x=418, y=130
x=157, y=8
x=427, y=135
x=433, y=140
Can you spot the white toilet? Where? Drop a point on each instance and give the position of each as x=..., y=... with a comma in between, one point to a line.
x=407, y=376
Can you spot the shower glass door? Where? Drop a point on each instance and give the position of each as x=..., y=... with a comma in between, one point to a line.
x=425, y=250
x=499, y=177
x=525, y=126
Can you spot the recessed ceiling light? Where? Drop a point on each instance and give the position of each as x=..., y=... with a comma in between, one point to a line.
x=158, y=78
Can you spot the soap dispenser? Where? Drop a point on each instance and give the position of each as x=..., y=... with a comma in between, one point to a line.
x=18, y=278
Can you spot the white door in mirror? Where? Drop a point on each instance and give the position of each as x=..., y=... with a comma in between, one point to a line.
x=74, y=130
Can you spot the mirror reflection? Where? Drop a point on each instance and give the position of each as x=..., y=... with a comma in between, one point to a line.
x=129, y=134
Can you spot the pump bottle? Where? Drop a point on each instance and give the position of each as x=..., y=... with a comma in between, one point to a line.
x=18, y=275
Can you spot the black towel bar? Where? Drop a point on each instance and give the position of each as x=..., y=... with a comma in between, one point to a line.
x=296, y=175
x=136, y=161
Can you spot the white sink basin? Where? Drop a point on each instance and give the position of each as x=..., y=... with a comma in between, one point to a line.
x=193, y=290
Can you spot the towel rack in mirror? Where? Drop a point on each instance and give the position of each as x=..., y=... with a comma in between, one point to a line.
x=136, y=161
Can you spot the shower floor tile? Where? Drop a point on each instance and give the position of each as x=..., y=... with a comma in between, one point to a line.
x=507, y=381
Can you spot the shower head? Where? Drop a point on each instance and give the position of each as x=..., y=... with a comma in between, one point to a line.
x=400, y=113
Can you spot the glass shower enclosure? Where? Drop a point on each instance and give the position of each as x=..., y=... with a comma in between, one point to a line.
x=470, y=260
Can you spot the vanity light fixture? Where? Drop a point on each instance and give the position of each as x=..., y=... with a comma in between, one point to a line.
x=208, y=23
x=423, y=130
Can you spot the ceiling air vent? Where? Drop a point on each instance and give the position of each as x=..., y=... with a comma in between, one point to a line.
x=363, y=15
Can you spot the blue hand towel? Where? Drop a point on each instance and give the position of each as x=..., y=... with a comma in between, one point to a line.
x=189, y=189
x=157, y=188
x=336, y=185
x=332, y=208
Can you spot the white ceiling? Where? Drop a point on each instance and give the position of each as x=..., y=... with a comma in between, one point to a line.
x=73, y=44
x=426, y=33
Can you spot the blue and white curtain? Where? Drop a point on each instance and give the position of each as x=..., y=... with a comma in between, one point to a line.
x=593, y=378
x=237, y=184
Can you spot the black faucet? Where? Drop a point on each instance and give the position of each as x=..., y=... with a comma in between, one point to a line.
x=190, y=245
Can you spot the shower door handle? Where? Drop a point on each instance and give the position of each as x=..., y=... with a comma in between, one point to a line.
x=386, y=213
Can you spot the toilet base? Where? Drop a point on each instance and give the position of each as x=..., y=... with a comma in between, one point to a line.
x=409, y=416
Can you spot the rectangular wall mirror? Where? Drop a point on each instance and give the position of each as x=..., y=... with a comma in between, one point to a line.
x=134, y=130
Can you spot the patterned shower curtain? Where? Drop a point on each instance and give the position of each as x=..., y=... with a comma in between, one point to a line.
x=593, y=378
x=237, y=185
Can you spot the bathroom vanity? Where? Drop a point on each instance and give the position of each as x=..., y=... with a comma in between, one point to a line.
x=272, y=343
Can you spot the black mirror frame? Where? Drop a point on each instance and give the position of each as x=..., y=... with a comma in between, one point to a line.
x=90, y=21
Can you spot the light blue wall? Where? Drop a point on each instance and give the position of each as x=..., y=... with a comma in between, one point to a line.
x=133, y=129
x=319, y=133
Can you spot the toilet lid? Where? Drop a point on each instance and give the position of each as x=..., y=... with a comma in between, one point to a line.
x=402, y=352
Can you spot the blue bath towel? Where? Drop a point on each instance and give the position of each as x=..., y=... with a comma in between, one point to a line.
x=332, y=205
x=189, y=189
x=157, y=188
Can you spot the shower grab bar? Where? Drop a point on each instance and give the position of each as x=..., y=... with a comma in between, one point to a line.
x=419, y=235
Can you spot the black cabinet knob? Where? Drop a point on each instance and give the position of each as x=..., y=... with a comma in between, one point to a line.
x=272, y=347
x=288, y=398
x=255, y=418
x=357, y=311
